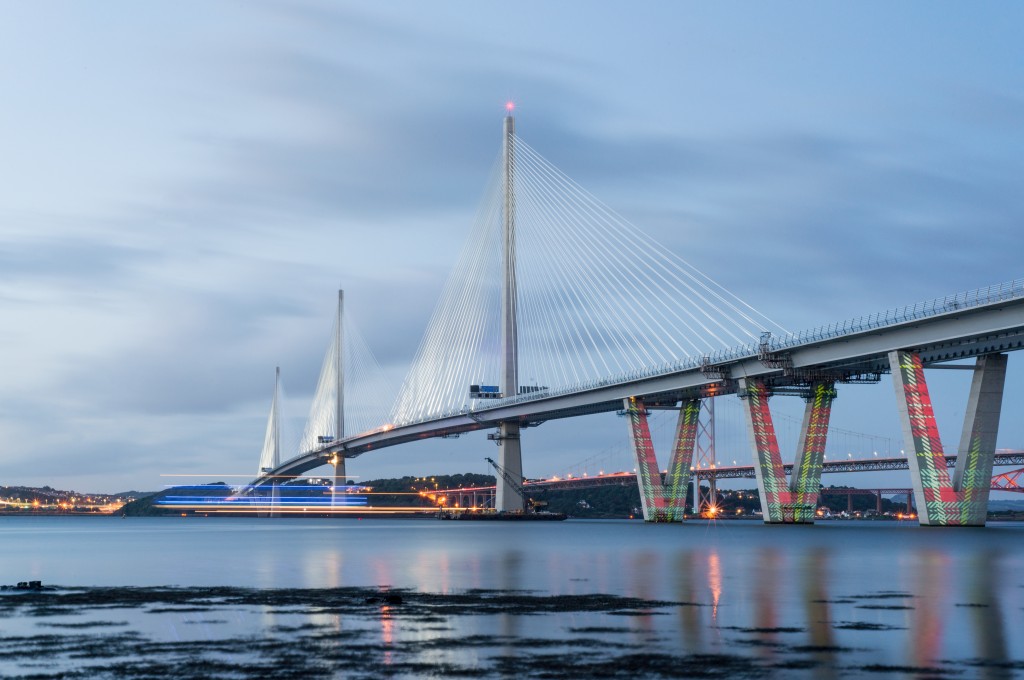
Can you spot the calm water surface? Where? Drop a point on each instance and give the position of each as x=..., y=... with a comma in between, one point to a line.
x=839, y=599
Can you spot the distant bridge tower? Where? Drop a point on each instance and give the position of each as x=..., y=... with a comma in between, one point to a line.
x=339, y=403
x=510, y=456
x=270, y=457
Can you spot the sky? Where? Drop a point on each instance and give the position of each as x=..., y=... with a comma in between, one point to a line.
x=185, y=185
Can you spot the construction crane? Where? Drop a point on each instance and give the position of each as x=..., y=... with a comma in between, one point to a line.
x=516, y=486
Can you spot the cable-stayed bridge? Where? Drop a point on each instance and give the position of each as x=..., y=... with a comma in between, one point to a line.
x=558, y=307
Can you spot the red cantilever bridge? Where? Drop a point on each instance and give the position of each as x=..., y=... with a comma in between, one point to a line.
x=556, y=285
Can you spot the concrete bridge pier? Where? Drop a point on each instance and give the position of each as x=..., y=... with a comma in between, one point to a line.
x=510, y=458
x=338, y=463
x=793, y=501
x=941, y=500
x=662, y=501
x=267, y=500
x=275, y=500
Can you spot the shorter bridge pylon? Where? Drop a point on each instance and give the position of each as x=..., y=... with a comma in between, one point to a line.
x=270, y=457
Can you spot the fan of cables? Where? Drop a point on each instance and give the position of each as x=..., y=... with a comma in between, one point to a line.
x=596, y=298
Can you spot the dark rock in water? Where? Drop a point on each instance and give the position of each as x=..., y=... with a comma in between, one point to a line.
x=393, y=599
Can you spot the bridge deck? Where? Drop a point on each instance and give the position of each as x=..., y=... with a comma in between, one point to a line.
x=964, y=326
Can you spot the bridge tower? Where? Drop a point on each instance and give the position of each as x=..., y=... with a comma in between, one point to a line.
x=510, y=456
x=339, y=403
x=270, y=457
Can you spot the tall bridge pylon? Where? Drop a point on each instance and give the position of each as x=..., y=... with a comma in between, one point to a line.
x=338, y=461
x=553, y=289
x=510, y=454
x=326, y=422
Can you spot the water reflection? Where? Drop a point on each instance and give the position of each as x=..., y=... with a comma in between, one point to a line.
x=644, y=571
x=691, y=624
x=928, y=611
x=927, y=616
x=714, y=583
x=601, y=571
x=820, y=603
x=986, y=612
x=382, y=574
x=326, y=569
x=767, y=580
x=818, y=613
x=387, y=633
x=510, y=565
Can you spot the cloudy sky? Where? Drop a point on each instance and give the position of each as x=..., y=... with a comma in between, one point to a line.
x=184, y=186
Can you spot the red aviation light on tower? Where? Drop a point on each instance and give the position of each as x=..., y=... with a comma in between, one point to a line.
x=510, y=106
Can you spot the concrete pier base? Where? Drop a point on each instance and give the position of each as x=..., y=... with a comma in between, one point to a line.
x=339, y=478
x=510, y=458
